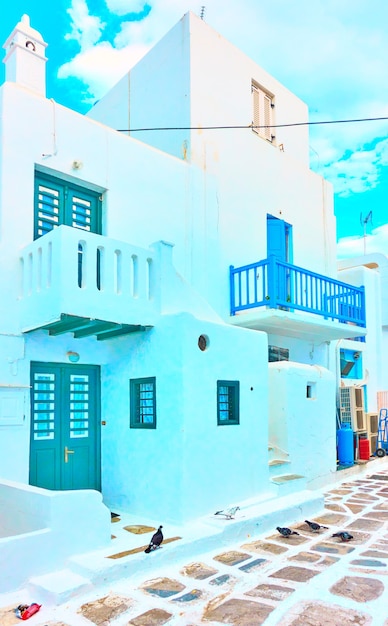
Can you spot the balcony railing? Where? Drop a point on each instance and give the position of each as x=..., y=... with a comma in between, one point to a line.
x=277, y=285
x=72, y=272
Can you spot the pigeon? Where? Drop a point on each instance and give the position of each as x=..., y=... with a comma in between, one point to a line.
x=156, y=540
x=314, y=526
x=286, y=532
x=343, y=535
x=229, y=513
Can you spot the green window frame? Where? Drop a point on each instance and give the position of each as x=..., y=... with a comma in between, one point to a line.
x=228, y=402
x=142, y=392
x=59, y=202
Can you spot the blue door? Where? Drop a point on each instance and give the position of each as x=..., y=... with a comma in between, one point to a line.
x=65, y=426
x=279, y=244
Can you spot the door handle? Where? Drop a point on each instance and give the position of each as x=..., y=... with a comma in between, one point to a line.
x=67, y=452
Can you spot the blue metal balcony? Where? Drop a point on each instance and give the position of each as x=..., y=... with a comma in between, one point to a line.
x=278, y=286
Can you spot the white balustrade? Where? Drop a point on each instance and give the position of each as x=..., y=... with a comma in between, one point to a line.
x=74, y=272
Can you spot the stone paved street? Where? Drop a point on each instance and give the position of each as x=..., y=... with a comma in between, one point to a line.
x=309, y=579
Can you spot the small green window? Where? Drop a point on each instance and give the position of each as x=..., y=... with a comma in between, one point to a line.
x=60, y=202
x=142, y=402
x=228, y=402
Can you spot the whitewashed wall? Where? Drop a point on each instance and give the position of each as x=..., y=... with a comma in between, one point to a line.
x=188, y=465
x=302, y=426
x=375, y=369
x=202, y=80
x=40, y=529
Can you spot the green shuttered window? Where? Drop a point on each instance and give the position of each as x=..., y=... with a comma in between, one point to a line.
x=228, y=402
x=142, y=402
x=59, y=202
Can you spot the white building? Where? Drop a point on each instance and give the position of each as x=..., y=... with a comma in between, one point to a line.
x=148, y=277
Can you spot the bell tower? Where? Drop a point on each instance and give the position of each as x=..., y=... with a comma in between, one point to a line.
x=25, y=57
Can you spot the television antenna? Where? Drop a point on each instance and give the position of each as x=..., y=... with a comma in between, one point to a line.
x=364, y=221
x=202, y=14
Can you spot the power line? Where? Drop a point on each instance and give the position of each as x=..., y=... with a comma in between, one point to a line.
x=350, y=121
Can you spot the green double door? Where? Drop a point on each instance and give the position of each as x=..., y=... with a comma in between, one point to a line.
x=65, y=426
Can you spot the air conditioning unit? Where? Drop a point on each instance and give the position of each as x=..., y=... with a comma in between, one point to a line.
x=372, y=423
x=359, y=422
x=352, y=407
x=372, y=443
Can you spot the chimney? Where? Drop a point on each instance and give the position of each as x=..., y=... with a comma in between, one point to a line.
x=25, y=57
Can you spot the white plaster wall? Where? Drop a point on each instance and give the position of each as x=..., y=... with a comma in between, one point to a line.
x=182, y=469
x=375, y=369
x=195, y=77
x=159, y=94
x=40, y=529
x=115, y=106
x=302, y=351
x=304, y=427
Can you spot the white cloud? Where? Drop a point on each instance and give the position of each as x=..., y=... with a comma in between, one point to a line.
x=100, y=67
x=351, y=172
x=376, y=241
x=86, y=29
x=122, y=7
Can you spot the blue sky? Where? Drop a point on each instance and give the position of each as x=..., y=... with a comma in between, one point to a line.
x=331, y=53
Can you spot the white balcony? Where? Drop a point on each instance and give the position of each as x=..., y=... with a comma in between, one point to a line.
x=76, y=281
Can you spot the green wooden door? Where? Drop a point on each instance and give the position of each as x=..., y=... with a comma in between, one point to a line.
x=65, y=426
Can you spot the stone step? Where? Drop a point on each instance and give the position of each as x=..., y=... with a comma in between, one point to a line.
x=289, y=483
x=276, y=465
x=58, y=587
x=278, y=462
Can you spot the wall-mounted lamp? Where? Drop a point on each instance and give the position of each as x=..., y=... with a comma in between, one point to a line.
x=72, y=356
x=76, y=165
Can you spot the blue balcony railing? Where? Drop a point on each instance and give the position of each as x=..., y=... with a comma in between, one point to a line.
x=277, y=285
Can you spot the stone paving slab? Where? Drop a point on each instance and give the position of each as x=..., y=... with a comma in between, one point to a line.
x=332, y=548
x=264, y=546
x=270, y=592
x=236, y=612
x=292, y=540
x=102, y=611
x=154, y=617
x=332, y=519
x=319, y=614
x=162, y=587
x=308, y=557
x=358, y=589
x=199, y=571
x=233, y=557
x=368, y=563
x=355, y=508
x=296, y=574
x=221, y=580
x=252, y=565
x=8, y=617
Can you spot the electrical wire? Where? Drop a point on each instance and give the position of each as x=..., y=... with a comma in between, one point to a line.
x=252, y=126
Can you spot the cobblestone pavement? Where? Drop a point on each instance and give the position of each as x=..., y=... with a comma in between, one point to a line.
x=308, y=579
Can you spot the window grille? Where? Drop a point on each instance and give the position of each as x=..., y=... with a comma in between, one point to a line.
x=228, y=402
x=143, y=402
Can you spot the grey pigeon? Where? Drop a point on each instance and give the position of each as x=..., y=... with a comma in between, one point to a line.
x=314, y=526
x=343, y=535
x=156, y=540
x=229, y=513
x=286, y=532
